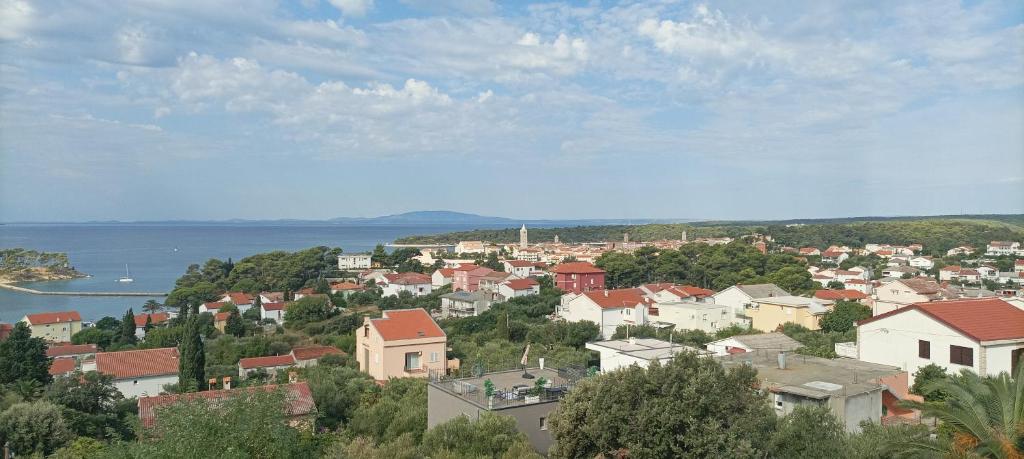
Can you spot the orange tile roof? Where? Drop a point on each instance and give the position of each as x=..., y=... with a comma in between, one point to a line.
x=577, y=267
x=624, y=297
x=401, y=324
x=520, y=263
x=521, y=284
x=267, y=362
x=346, y=286
x=54, y=317
x=63, y=350
x=983, y=319
x=62, y=366
x=240, y=297
x=468, y=267
x=221, y=316
x=846, y=294
x=140, y=363
x=274, y=306
x=407, y=278
x=215, y=304
x=446, y=272
x=315, y=352
x=298, y=396
x=158, y=318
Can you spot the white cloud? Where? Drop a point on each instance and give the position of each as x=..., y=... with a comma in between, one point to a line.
x=356, y=8
x=15, y=18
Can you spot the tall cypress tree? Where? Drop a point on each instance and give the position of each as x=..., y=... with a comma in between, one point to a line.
x=23, y=357
x=127, y=335
x=191, y=358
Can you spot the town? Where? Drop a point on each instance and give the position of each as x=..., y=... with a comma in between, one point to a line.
x=384, y=352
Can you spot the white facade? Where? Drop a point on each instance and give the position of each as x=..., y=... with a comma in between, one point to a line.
x=580, y=308
x=736, y=300
x=145, y=386
x=351, y=262
x=922, y=263
x=275, y=315
x=507, y=292
x=414, y=289
x=895, y=295
x=622, y=353
x=685, y=315
x=438, y=280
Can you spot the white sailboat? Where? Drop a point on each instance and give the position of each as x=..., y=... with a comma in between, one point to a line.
x=127, y=277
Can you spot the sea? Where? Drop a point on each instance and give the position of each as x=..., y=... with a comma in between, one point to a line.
x=157, y=254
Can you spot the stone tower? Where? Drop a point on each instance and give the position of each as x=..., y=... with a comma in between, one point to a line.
x=522, y=237
x=625, y=238
x=556, y=239
x=684, y=237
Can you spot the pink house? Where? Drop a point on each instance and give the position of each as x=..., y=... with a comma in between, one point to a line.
x=467, y=277
x=404, y=343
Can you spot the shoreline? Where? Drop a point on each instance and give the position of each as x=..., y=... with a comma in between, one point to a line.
x=42, y=292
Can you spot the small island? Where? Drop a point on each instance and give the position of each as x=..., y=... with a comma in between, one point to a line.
x=24, y=265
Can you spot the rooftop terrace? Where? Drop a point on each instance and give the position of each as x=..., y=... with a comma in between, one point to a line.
x=511, y=389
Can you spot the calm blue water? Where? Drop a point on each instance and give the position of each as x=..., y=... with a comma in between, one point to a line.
x=102, y=250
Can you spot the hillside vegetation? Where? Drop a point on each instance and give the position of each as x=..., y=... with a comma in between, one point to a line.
x=24, y=265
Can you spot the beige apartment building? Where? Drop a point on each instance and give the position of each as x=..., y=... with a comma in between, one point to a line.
x=55, y=327
x=403, y=343
x=767, y=314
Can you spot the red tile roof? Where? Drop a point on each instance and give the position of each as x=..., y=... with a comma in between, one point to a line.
x=407, y=278
x=64, y=350
x=275, y=306
x=446, y=272
x=158, y=318
x=221, y=316
x=240, y=298
x=577, y=267
x=520, y=263
x=267, y=362
x=214, y=305
x=135, y=364
x=401, y=324
x=62, y=366
x=624, y=297
x=346, y=286
x=983, y=319
x=467, y=267
x=54, y=317
x=521, y=284
x=840, y=295
x=315, y=352
x=695, y=291
x=298, y=397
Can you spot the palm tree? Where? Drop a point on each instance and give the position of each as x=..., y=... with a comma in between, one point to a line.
x=152, y=306
x=985, y=415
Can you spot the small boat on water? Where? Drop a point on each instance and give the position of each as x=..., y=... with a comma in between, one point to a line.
x=127, y=277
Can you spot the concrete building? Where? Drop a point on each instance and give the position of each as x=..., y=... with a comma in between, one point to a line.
x=578, y=277
x=776, y=342
x=402, y=343
x=55, y=327
x=442, y=277
x=904, y=292
x=351, y=262
x=415, y=283
x=606, y=308
x=270, y=364
x=691, y=315
x=513, y=396
x=464, y=304
x=518, y=287
x=620, y=353
x=853, y=390
x=738, y=297
x=157, y=319
x=299, y=404
x=983, y=335
x=138, y=373
x=467, y=277
x=768, y=314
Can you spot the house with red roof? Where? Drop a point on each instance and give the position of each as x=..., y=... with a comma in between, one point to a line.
x=138, y=373
x=518, y=287
x=403, y=343
x=578, y=277
x=157, y=319
x=212, y=307
x=346, y=288
x=273, y=311
x=298, y=401
x=63, y=367
x=309, y=356
x=55, y=327
x=841, y=295
x=70, y=351
x=983, y=335
x=903, y=292
x=442, y=277
x=467, y=277
x=607, y=308
x=809, y=251
x=668, y=292
x=242, y=300
x=524, y=268
x=415, y=283
x=269, y=364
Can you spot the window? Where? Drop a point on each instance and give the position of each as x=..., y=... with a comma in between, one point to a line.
x=543, y=423
x=412, y=361
x=366, y=331
x=924, y=349
x=961, y=355
x=433, y=357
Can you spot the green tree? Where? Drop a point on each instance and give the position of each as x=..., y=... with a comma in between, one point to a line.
x=152, y=307
x=501, y=327
x=93, y=407
x=23, y=357
x=491, y=435
x=809, y=433
x=36, y=428
x=843, y=315
x=192, y=358
x=102, y=338
x=307, y=309
x=927, y=381
x=379, y=255
x=492, y=262
x=337, y=392
x=234, y=325
x=655, y=412
x=126, y=334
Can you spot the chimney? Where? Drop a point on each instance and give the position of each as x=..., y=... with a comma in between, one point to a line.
x=541, y=362
x=213, y=383
x=782, y=360
x=293, y=377
x=227, y=383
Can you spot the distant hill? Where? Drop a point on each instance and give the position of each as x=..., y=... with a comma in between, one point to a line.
x=434, y=217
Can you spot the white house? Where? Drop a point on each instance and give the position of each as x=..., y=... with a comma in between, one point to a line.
x=442, y=277
x=157, y=319
x=470, y=247
x=997, y=248
x=606, y=308
x=904, y=292
x=350, y=262
x=270, y=364
x=415, y=283
x=464, y=304
x=690, y=315
x=621, y=353
x=983, y=335
x=739, y=297
x=241, y=300
x=273, y=311
x=962, y=250
x=520, y=268
x=211, y=307
x=776, y=341
x=518, y=287
x=138, y=373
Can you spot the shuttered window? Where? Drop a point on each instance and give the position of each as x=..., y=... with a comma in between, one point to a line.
x=961, y=355
x=924, y=349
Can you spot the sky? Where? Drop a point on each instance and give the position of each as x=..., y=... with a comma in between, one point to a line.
x=263, y=109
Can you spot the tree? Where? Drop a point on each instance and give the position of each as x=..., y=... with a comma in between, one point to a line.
x=492, y=262
x=93, y=407
x=191, y=358
x=234, y=325
x=337, y=392
x=491, y=435
x=94, y=335
x=379, y=255
x=501, y=328
x=835, y=285
x=35, y=428
x=152, y=307
x=809, y=433
x=985, y=415
x=23, y=357
x=127, y=332
x=307, y=309
x=654, y=412
x=843, y=315
x=927, y=381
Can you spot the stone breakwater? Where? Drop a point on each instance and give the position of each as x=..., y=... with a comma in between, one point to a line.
x=41, y=292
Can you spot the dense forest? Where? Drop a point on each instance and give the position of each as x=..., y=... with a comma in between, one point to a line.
x=936, y=234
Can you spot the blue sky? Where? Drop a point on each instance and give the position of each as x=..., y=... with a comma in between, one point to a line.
x=215, y=109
